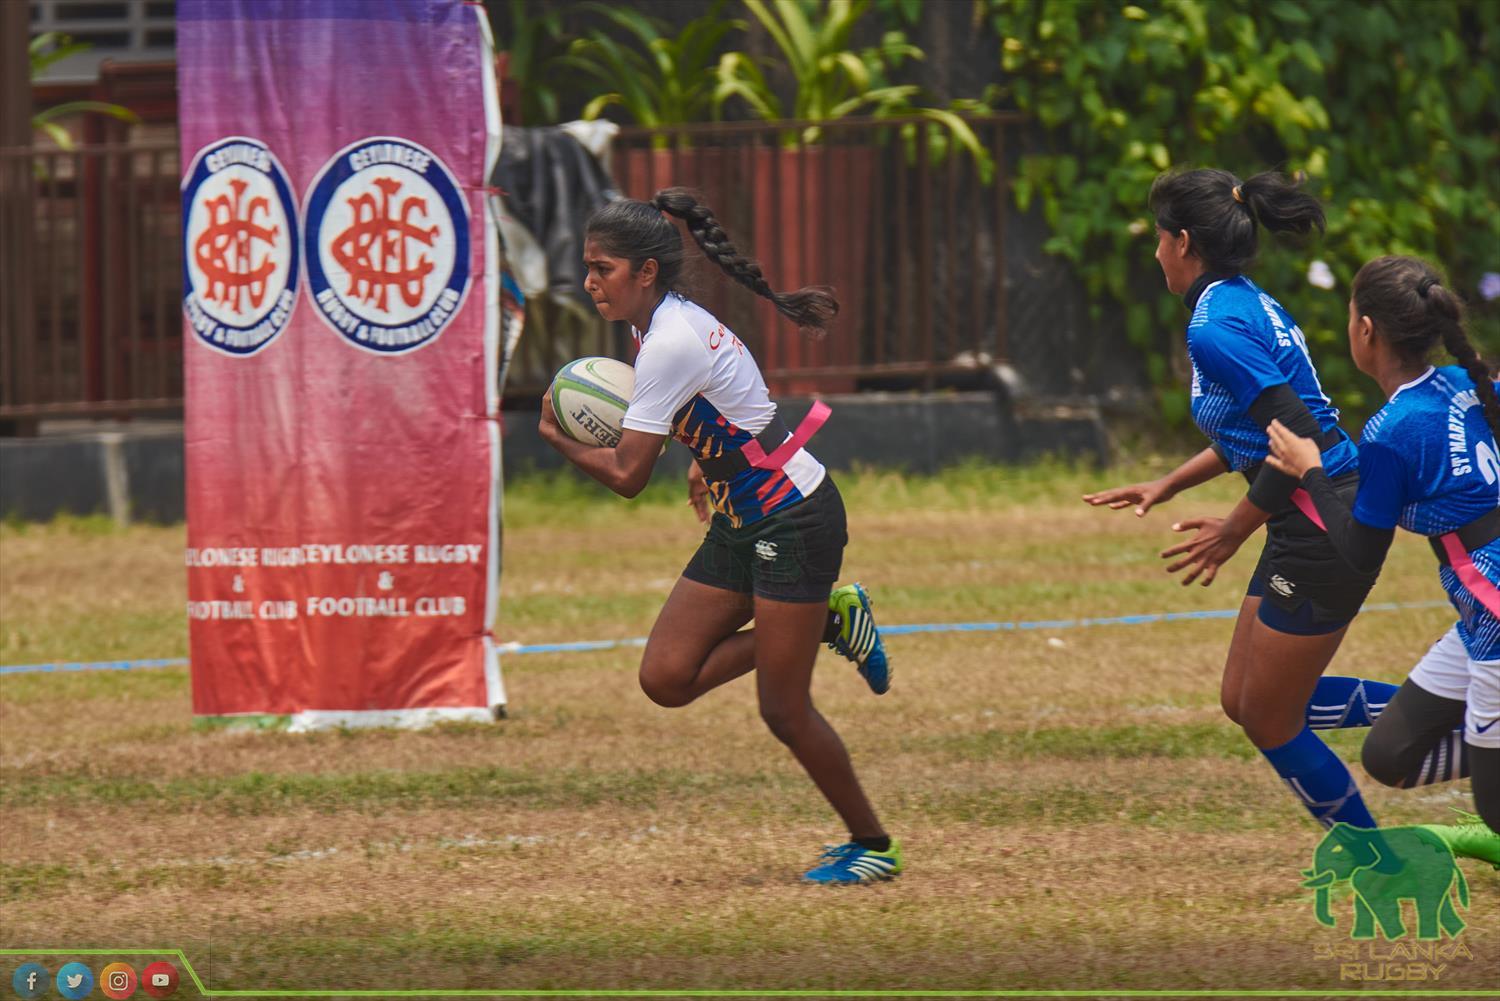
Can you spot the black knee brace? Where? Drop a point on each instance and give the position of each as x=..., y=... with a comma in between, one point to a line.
x=1486, y=762
x=1417, y=740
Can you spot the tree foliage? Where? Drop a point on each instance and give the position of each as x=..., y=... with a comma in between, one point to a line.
x=1389, y=106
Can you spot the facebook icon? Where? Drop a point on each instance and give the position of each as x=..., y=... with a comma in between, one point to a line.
x=30, y=980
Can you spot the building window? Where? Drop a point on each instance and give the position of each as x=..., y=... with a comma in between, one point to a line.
x=136, y=30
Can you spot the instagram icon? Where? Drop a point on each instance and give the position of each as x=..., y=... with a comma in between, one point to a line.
x=117, y=980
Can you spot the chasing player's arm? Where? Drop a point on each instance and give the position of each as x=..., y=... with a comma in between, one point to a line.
x=1361, y=545
x=1271, y=490
x=625, y=469
x=1199, y=469
x=1226, y=353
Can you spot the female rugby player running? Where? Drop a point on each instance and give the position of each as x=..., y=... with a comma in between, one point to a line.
x=1428, y=461
x=1250, y=367
x=776, y=540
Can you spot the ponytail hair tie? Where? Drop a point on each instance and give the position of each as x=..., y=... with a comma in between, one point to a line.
x=1425, y=284
x=1237, y=196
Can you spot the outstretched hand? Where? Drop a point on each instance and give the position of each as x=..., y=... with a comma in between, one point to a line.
x=1144, y=496
x=1204, y=553
x=1291, y=453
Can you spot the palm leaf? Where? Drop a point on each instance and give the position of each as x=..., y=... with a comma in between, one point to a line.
x=895, y=99
x=50, y=47
x=964, y=135
x=57, y=132
x=591, y=110
x=84, y=107
x=739, y=76
x=838, y=23
x=799, y=31
x=778, y=35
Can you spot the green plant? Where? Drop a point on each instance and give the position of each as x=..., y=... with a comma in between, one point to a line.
x=46, y=49
x=833, y=80
x=536, y=47
x=668, y=79
x=1388, y=106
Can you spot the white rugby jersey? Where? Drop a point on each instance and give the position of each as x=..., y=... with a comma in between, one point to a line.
x=697, y=382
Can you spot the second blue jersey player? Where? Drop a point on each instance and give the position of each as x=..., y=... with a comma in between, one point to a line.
x=1429, y=463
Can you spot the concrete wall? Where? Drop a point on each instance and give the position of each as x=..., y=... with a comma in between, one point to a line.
x=129, y=474
x=137, y=474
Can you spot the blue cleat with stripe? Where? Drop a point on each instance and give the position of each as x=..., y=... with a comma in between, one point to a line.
x=851, y=863
x=857, y=638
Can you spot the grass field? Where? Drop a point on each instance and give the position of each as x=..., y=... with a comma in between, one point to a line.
x=1076, y=812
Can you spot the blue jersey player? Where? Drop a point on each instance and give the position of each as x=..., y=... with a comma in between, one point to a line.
x=1429, y=463
x=1250, y=368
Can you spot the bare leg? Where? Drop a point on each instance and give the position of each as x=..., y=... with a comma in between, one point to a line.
x=695, y=646
x=1238, y=659
x=787, y=638
x=1279, y=675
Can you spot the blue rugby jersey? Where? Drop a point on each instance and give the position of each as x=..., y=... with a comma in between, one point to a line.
x=1241, y=343
x=1428, y=462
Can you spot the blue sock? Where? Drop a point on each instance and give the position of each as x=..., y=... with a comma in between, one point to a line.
x=1338, y=703
x=1320, y=780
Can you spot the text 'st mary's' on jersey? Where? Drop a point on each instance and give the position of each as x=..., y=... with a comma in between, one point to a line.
x=1241, y=343
x=697, y=382
x=1428, y=462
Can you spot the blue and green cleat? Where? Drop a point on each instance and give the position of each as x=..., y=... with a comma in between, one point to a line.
x=857, y=638
x=852, y=863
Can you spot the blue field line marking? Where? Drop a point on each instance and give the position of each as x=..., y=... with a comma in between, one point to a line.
x=98, y=665
x=585, y=646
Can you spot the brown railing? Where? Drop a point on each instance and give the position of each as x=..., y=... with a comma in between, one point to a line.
x=910, y=235
x=93, y=271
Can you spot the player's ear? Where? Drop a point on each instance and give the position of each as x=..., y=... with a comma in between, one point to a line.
x=646, y=276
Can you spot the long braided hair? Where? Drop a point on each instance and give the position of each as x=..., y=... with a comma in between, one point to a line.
x=639, y=231
x=1413, y=311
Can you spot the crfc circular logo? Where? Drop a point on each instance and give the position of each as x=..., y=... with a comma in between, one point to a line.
x=387, y=245
x=240, y=246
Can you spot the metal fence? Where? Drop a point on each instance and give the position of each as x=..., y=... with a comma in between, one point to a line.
x=908, y=228
x=92, y=261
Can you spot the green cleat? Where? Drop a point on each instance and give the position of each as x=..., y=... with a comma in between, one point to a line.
x=858, y=639
x=1469, y=838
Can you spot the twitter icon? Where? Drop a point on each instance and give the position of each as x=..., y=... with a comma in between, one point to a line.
x=75, y=981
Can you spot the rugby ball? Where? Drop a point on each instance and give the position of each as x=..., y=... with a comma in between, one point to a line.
x=590, y=396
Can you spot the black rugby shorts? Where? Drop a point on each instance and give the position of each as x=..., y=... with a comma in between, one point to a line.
x=793, y=555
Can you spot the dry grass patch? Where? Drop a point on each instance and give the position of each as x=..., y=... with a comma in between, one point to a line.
x=1076, y=812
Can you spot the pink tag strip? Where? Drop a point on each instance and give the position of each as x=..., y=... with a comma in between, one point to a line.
x=757, y=457
x=1305, y=504
x=1473, y=581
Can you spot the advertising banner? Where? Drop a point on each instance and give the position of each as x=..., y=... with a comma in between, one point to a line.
x=341, y=326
